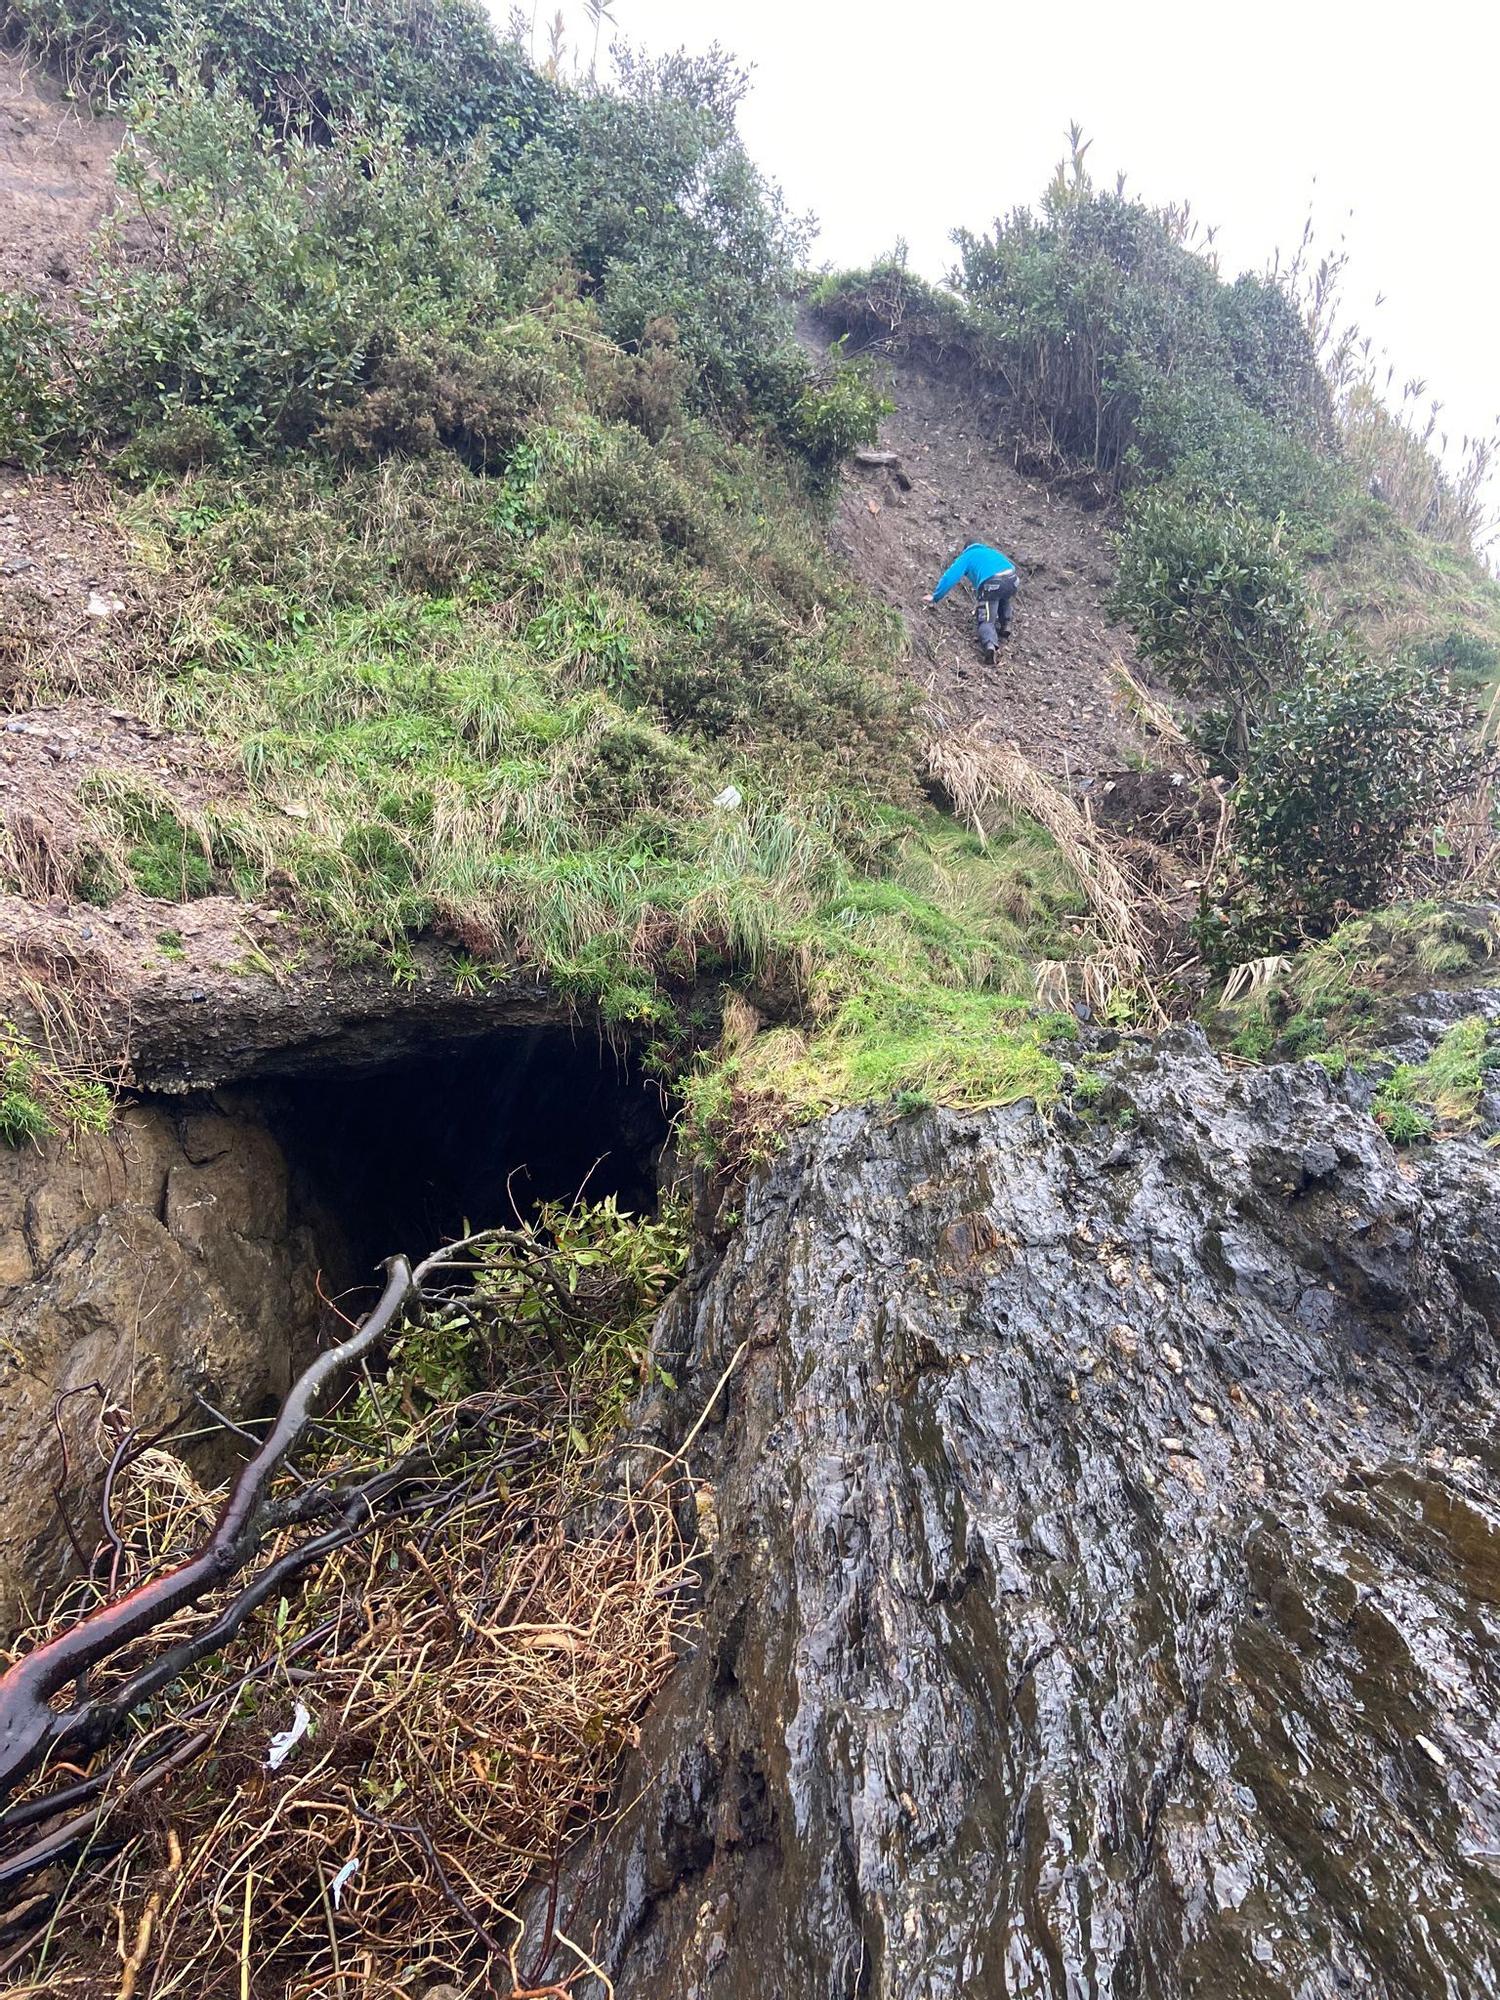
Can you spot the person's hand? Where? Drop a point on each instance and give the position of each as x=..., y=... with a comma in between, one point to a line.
x=929, y=598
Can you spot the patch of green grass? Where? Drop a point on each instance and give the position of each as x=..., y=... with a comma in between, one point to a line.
x=1335, y=1061
x=1418, y=1098
x=1088, y=1088
x=439, y=736
x=1302, y=1036
x=39, y=1100
x=1404, y=1124
x=23, y=1117
x=1254, y=1040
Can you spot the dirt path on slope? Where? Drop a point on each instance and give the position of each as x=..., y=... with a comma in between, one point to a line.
x=57, y=181
x=1051, y=691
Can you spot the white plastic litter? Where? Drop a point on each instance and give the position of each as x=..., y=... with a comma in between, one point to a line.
x=344, y=1877
x=729, y=798
x=285, y=1741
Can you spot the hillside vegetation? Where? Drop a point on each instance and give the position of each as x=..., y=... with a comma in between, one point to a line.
x=1293, y=561
x=459, y=411
x=485, y=481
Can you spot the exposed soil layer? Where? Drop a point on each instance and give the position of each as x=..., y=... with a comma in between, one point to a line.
x=56, y=178
x=1051, y=691
x=72, y=595
x=1102, y=1564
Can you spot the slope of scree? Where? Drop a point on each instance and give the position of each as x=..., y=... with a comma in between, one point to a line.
x=1051, y=691
x=57, y=178
x=1102, y=1565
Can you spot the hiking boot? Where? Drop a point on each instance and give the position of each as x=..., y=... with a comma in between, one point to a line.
x=991, y=654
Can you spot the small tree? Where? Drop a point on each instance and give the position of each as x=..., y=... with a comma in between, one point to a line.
x=1358, y=757
x=1215, y=600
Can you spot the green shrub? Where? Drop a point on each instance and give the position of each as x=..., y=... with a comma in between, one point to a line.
x=649, y=191
x=1215, y=600
x=307, y=65
x=295, y=281
x=34, y=415
x=1357, y=759
x=836, y=412
x=423, y=394
x=1103, y=313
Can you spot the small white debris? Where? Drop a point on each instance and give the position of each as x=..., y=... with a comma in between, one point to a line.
x=344, y=1877
x=1172, y=1358
x=285, y=1741
x=729, y=798
x=1426, y=1743
x=104, y=604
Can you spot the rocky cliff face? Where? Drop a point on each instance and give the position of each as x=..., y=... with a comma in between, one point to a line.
x=155, y=1260
x=1102, y=1554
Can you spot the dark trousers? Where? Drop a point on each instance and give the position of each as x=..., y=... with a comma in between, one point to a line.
x=995, y=608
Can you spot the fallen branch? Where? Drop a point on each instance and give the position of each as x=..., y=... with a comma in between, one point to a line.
x=29, y=1726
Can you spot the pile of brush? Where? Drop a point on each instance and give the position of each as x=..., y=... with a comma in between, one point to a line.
x=320, y=1731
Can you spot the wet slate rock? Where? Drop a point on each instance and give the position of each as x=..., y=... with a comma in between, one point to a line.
x=1102, y=1578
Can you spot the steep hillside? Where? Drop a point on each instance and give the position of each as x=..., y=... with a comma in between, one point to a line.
x=521, y=933
x=1052, y=691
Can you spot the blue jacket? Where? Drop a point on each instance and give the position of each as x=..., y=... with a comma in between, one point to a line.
x=978, y=563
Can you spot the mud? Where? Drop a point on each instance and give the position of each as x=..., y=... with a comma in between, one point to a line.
x=56, y=178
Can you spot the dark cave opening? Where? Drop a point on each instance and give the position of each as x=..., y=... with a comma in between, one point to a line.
x=405, y=1155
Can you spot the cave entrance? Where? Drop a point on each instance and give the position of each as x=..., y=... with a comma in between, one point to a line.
x=401, y=1156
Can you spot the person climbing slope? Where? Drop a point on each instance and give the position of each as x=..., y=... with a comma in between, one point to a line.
x=992, y=577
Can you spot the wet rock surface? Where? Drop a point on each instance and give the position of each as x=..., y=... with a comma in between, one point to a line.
x=1101, y=1550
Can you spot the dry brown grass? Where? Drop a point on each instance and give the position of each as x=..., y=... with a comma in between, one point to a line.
x=1172, y=748
x=978, y=774
x=472, y=1670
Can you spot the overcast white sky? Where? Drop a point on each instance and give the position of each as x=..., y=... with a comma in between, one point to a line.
x=906, y=122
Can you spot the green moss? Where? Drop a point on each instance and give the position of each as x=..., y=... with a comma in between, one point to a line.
x=161, y=855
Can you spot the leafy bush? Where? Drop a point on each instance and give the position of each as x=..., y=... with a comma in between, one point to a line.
x=1215, y=599
x=648, y=190
x=294, y=281
x=308, y=65
x=1358, y=757
x=835, y=413
x=1107, y=320
x=33, y=398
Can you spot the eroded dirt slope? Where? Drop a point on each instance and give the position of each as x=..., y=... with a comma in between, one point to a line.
x=57, y=181
x=1051, y=691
